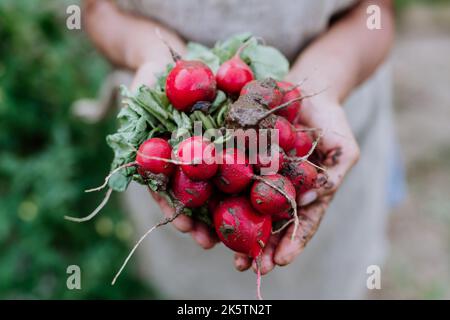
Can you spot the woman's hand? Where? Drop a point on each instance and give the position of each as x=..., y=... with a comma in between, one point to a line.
x=340, y=152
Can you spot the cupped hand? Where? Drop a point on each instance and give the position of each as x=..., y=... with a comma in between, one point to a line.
x=199, y=231
x=339, y=152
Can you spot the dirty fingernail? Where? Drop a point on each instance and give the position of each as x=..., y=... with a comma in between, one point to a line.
x=283, y=260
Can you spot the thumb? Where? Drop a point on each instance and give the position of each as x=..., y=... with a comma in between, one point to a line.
x=145, y=75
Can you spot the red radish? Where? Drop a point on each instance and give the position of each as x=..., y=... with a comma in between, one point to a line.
x=234, y=74
x=251, y=108
x=240, y=228
x=267, y=92
x=302, y=145
x=290, y=92
x=201, y=154
x=303, y=175
x=192, y=194
x=286, y=133
x=266, y=200
x=154, y=148
x=214, y=202
x=265, y=160
x=235, y=173
x=188, y=83
x=284, y=215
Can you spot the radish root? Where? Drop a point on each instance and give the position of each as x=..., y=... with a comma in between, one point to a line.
x=241, y=48
x=124, y=166
x=175, y=55
x=94, y=213
x=176, y=162
x=308, y=129
x=284, y=226
x=162, y=223
x=284, y=105
x=179, y=163
x=131, y=164
x=258, y=277
x=310, y=152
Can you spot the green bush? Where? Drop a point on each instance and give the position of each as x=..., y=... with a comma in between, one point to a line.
x=47, y=159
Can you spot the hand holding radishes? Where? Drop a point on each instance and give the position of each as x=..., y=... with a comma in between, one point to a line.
x=338, y=151
x=177, y=137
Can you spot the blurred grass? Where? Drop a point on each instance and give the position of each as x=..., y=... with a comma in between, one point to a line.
x=47, y=159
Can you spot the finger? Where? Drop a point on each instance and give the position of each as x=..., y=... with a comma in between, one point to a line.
x=326, y=185
x=267, y=263
x=340, y=163
x=183, y=223
x=310, y=218
x=242, y=262
x=155, y=196
x=144, y=76
x=203, y=235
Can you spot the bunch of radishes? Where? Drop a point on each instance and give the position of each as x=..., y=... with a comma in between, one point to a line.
x=231, y=190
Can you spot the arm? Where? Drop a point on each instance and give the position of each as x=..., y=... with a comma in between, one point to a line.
x=127, y=40
x=347, y=54
x=338, y=61
x=131, y=42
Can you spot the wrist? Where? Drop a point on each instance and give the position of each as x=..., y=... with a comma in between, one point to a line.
x=321, y=72
x=322, y=92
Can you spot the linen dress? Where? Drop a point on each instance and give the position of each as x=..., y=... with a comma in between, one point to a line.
x=352, y=234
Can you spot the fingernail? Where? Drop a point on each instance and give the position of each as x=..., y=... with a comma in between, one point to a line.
x=266, y=265
x=307, y=198
x=282, y=260
x=240, y=264
x=201, y=238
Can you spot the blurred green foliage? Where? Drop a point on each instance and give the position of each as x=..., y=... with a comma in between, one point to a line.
x=47, y=159
x=403, y=4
